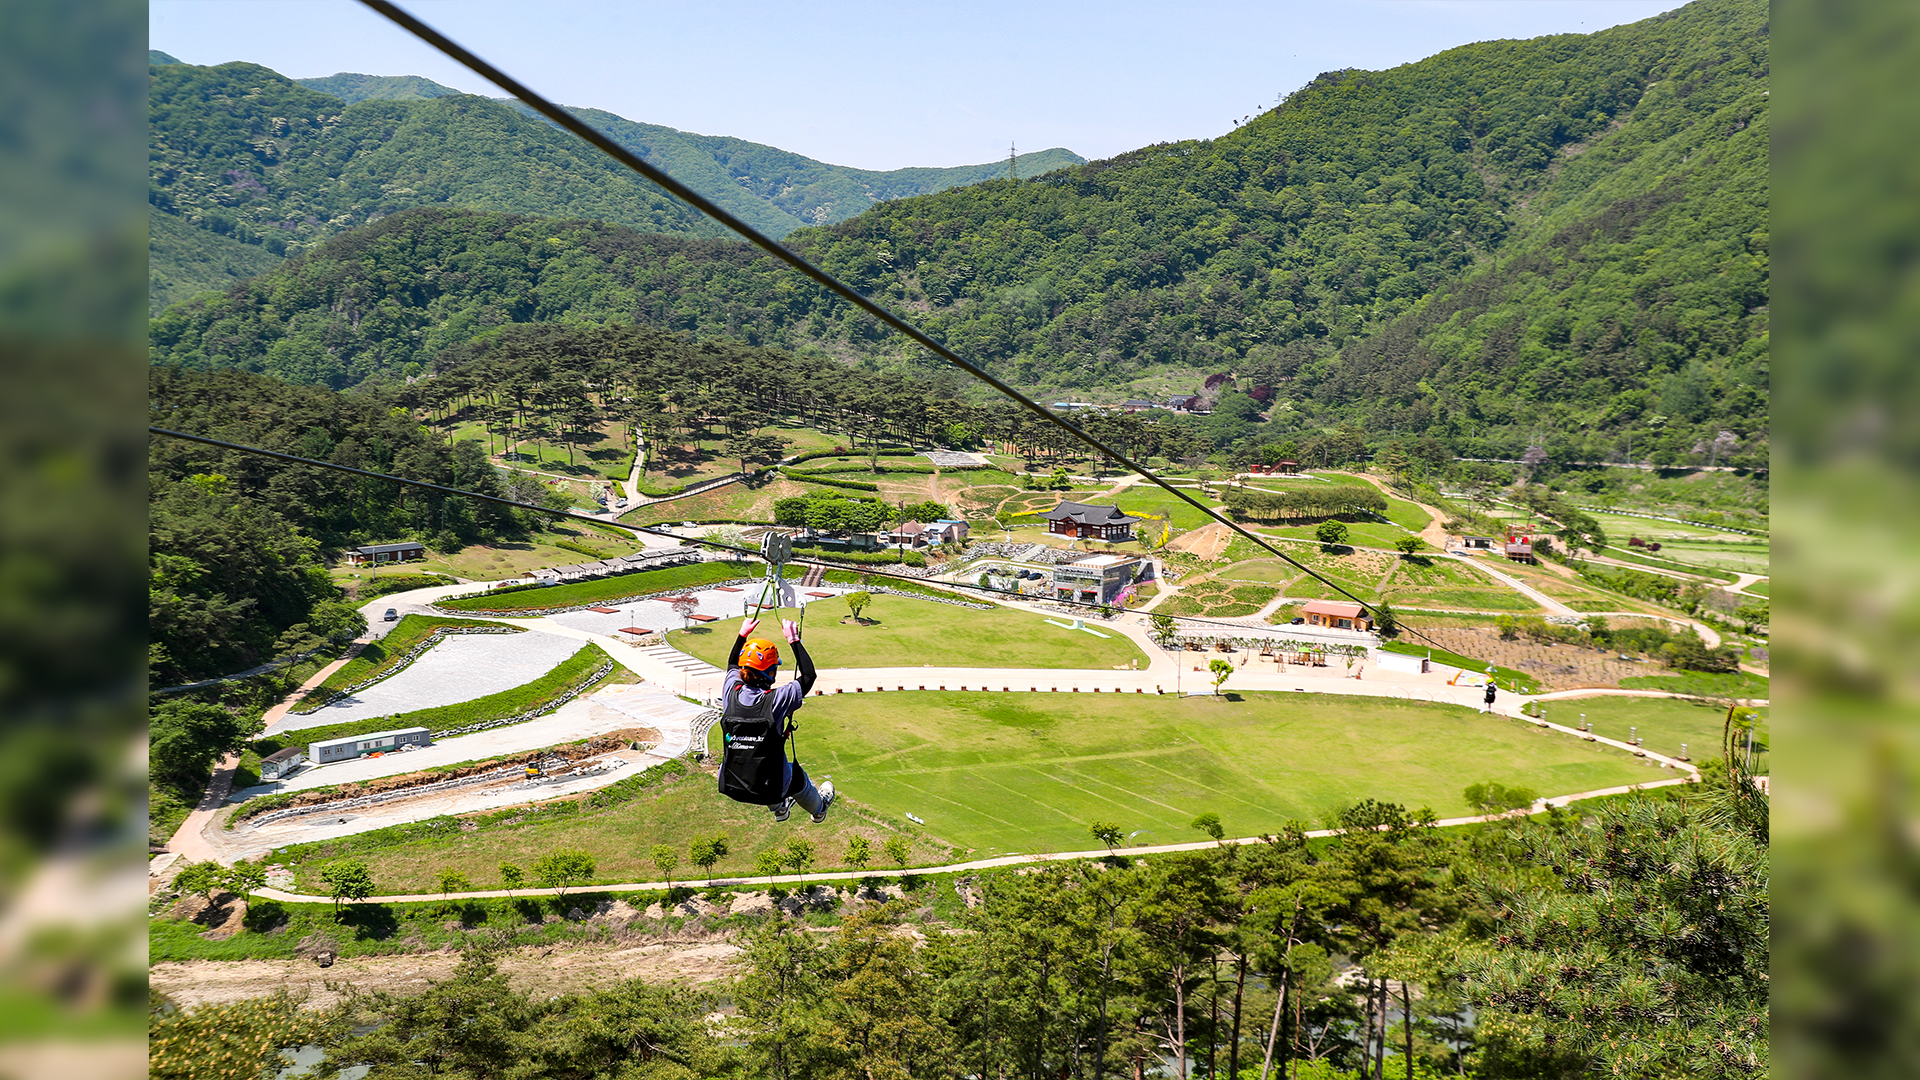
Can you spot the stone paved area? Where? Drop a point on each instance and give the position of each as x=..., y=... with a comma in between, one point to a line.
x=658, y=615
x=460, y=668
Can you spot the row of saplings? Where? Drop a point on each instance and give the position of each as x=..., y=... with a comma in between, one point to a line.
x=350, y=879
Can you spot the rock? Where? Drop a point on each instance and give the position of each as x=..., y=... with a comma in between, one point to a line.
x=751, y=904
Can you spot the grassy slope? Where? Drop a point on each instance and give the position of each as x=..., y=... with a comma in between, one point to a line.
x=904, y=633
x=1664, y=723
x=621, y=837
x=1024, y=773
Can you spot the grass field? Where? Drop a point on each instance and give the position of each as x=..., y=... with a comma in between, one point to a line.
x=609, y=588
x=1000, y=773
x=1407, y=515
x=620, y=837
x=1219, y=598
x=1751, y=557
x=1158, y=504
x=1444, y=583
x=906, y=633
x=493, y=562
x=1713, y=684
x=1664, y=723
x=1621, y=526
x=1763, y=587
x=730, y=502
x=1359, y=533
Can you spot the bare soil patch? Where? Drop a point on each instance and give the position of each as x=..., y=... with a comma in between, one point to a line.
x=556, y=969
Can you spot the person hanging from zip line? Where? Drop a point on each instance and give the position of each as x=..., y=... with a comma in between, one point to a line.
x=756, y=724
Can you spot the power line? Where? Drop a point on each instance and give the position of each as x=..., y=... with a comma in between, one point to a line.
x=577, y=516
x=833, y=284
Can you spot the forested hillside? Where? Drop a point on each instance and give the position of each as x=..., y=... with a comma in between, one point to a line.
x=1559, y=240
x=236, y=541
x=778, y=191
x=246, y=155
x=251, y=156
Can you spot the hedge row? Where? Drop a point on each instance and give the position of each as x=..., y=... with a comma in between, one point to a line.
x=868, y=558
x=619, y=587
x=830, y=481
x=372, y=588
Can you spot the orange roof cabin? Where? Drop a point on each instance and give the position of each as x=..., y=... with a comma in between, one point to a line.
x=1337, y=614
x=1090, y=522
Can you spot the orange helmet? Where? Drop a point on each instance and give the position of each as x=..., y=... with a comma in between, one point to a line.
x=760, y=655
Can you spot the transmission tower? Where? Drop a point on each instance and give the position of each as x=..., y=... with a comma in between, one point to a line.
x=1013, y=168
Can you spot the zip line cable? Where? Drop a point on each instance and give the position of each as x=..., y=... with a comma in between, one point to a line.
x=799, y=262
x=572, y=515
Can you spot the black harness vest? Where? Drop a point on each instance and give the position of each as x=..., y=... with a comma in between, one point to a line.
x=753, y=763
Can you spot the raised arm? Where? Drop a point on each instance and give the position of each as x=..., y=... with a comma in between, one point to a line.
x=801, y=656
x=746, y=628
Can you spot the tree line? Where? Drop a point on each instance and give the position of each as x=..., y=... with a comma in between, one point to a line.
x=1629, y=941
x=1307, y=503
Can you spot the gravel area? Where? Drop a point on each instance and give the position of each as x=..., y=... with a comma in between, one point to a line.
x=460, y=668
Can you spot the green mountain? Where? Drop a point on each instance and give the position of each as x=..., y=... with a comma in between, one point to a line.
x=777, y=191
x=259, y=160
x=351, y=87
x=1508, y=243
x=253, y=157
x=155, y=56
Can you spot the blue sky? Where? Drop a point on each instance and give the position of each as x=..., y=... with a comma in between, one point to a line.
x=885, y=85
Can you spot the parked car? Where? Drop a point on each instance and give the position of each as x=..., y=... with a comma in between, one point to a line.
x=392, y=615
x=1299, y=622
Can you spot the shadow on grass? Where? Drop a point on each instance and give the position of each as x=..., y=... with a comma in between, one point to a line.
x=372, y=922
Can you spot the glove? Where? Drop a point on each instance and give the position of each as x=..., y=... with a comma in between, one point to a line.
x=748, y=626
x=792, y=630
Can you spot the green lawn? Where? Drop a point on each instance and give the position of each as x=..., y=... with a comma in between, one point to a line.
x=730, y=502
x=1762, y=587
x=1747, y=557
x=612, y=588
x=1664, y=723
x=380, y=655
x=1152, y=502
x=1022, y=772
x=1359, y=533
x=907, y=633
x=1218, y=597
x=673, y=809
x=1407, y=515
x=494, y=562
x=1702, y=683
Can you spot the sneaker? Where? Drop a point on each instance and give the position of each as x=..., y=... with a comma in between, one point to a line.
x=826, y=802
x=782, y=809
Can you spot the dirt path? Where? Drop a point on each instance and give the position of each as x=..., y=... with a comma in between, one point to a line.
x=539, y=970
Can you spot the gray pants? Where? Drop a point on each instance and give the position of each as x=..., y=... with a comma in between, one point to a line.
x=800, y=789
